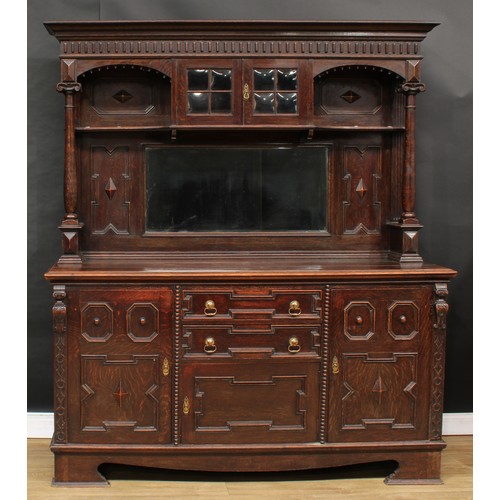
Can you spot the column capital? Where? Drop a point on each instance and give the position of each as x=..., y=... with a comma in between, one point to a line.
x=412, y=88
x=69, y=87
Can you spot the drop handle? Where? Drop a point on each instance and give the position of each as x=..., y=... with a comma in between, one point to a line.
x=293, y=345
x=210, y=309
x=209, y=346
x=294, y=309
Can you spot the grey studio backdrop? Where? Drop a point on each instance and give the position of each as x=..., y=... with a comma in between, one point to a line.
x=444, y=152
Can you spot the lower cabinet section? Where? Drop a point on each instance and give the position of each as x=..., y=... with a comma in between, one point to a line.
x=381, y=385
x=363, y=374
x=250, y=401
x=120, y=351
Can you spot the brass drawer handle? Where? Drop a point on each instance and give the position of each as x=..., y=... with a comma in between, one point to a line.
x=294, y=308
x=209, y=346
x=246, y=92
x=210, y=309
x=293, y=345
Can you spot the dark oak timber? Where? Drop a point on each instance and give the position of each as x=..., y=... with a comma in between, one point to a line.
x=254, y=300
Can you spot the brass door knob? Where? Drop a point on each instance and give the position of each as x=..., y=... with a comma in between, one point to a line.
x=210, y=309
x=293, y=345
x=294, y=308
x=209, y=346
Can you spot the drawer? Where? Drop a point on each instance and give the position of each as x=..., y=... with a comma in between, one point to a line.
x=241, y=342
x=381, y=315
x=126, y=317
x=278, y=304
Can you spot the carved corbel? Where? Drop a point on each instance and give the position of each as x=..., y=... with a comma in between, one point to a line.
x=59, y=321
x=59, y=310
x=70, y=225
x=440, y=310
x=440, y=306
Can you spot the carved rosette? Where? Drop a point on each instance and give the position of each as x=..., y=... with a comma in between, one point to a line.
x=59, y=319
x=440, y=311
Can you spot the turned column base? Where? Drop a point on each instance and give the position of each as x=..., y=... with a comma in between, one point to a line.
x=404, y=242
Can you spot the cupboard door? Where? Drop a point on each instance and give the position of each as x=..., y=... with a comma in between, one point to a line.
x=209, y=92
x=379, y=387
x=276, y=92
x=120, y=345
x=250, y=401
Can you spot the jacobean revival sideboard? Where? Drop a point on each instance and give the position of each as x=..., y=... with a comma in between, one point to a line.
x=240, y=286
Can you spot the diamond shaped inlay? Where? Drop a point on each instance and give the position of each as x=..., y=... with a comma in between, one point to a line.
x=350, y=96
x=122, y=96
x=120, y=393
x=110, y=188
x=379, y=387
x=361, y=189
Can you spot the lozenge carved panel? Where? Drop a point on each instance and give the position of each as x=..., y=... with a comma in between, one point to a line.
x=362, y=174
x=110, y=185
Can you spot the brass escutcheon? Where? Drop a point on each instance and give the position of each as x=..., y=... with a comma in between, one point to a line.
x=335, y=365
x=166, y=367
x=246, y=92
x=185, y=406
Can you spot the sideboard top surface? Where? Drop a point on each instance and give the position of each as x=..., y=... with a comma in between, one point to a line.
x=244, y=267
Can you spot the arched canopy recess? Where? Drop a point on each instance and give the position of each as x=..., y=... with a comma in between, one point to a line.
x=124, y=95
x=358, y=95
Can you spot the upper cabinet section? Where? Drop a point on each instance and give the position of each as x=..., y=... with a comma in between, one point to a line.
x=232, y=74
x=242, y=92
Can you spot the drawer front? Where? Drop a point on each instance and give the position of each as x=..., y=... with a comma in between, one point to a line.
x=263, y=304
x=120, y=351
x=380, y=381
x=271, y=402
x=215, y=341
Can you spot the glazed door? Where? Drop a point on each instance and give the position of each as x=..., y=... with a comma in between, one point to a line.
x=120, y=354
x=379, y=387
x=250, y=401
x=276, y=92
x=209, y=92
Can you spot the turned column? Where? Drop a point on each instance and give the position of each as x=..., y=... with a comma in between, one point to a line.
x=410, y=90
x=70, y=225
x=404, y=231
